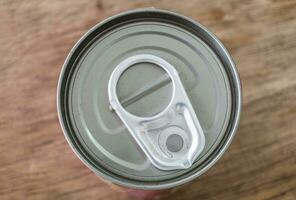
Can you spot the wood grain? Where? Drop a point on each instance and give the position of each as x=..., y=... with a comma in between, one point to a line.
x=35, y=37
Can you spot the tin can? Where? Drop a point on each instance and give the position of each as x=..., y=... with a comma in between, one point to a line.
x=149, y=99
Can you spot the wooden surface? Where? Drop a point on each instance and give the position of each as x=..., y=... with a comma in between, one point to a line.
x=35, y=37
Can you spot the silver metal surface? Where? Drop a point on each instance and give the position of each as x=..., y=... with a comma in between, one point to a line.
x=103, y=145
x=146, y=90
x=152, y=133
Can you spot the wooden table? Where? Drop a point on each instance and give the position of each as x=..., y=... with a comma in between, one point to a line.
x=35, y=37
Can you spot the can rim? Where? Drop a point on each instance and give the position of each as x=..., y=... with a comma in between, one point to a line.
x=162, y=184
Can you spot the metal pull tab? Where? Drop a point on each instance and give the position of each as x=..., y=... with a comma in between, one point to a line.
x=171, y=139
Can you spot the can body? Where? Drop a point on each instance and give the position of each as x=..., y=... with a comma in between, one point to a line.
x=97, y=135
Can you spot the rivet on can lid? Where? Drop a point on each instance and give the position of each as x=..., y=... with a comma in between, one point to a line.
x=174, y=143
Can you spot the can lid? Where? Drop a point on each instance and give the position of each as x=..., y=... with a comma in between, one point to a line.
x=98, y=134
